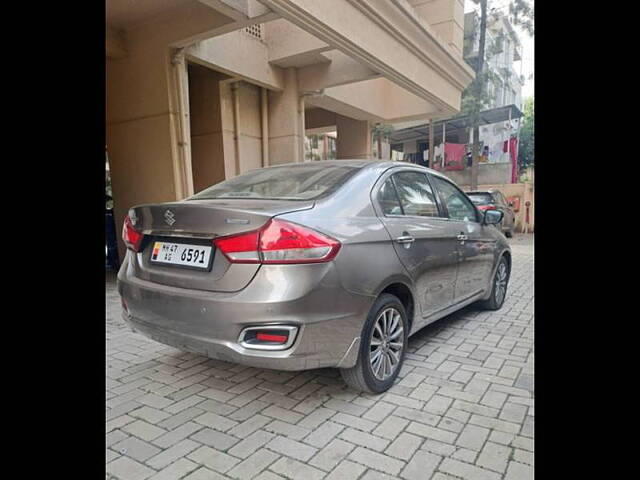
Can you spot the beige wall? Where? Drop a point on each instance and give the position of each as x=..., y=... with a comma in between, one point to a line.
x=488, y=173
x=213, y=148
x=446, y=17
x=250, y=135
x=286, y=122
x=140, y=130
x=353, y=138
x=319, y=118
x=207, y=152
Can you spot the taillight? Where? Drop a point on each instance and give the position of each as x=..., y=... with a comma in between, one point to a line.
x=241, y=248
x=284, y=242
x=131, y=237
x=279, y=242
x=486, y=207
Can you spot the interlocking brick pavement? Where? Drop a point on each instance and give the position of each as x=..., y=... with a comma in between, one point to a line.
x=462, y=407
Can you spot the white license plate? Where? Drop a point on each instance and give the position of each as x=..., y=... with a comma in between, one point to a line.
x=183, y=255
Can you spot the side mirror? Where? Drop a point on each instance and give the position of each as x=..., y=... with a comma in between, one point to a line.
x=493, y=217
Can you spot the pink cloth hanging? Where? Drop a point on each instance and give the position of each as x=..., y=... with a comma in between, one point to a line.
x=455, y=156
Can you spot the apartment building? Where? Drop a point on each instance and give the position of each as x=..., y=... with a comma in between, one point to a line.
x=502, y=50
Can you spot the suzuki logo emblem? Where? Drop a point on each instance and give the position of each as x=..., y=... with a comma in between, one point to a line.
x=169, y=217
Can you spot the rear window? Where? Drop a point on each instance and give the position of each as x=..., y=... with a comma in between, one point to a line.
x=481, y=198
x=304, y=182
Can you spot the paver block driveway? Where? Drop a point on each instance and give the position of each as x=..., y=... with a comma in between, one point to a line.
x=462, y=406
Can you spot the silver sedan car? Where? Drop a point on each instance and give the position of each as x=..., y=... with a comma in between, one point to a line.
x=311, y=265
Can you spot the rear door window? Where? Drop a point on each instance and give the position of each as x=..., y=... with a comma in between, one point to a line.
x=416, y=195
x=388, y=199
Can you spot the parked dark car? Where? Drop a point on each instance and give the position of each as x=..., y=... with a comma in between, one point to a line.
x=311, y=265
x=494, y=199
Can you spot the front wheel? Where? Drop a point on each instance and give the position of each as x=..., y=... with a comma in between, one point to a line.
x=382, y=346
x=498, y=287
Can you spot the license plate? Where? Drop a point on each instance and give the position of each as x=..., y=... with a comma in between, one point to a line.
x=182, y=255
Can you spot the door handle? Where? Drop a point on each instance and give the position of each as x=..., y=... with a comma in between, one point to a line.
x=405, y=239
x=462, y=238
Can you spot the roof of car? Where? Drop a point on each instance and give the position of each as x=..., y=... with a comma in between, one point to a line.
x=348, y=162
x=490, y=190
x=359, y=163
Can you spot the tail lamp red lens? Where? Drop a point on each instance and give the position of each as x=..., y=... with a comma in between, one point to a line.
x=131, y=237
x=279, y=242
x=484, y=208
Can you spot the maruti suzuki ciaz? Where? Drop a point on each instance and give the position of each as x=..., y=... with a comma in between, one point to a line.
x=310, y=265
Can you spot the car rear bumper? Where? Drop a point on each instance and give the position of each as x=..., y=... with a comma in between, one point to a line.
x=329, y=319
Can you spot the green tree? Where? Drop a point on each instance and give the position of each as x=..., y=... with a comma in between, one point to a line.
x=380, y=132
x=478, y=94
x=526, y=150
x=521, y=14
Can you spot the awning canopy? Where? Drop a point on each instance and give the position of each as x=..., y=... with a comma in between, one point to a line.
x=421, y=132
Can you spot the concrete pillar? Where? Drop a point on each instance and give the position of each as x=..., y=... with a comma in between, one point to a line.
x=286, y=122
x=353, y=138
x=143, y=131
x=207, y=152
x=446, y=17
x=249, y=135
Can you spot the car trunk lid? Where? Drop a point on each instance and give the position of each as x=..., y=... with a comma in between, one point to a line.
x=197, y=223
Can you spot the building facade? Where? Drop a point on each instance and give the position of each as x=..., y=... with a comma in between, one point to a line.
x=502, y=50
x=199, y=91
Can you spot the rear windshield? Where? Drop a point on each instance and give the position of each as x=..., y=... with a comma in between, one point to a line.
x=304, y=182
x=481, y=198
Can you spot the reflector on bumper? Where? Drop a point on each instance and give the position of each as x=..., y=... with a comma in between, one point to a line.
x=269, y=337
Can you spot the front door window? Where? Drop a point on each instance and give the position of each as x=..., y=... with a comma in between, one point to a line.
x=458, y=205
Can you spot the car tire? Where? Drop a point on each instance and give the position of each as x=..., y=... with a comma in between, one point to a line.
x=362, y=375
x=500, y=278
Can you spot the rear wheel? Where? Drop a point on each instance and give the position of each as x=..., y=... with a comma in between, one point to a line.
x=499, y=287
x=382, y=346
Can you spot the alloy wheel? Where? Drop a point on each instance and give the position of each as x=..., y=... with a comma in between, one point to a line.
x=501, y=283
x=386, y=343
